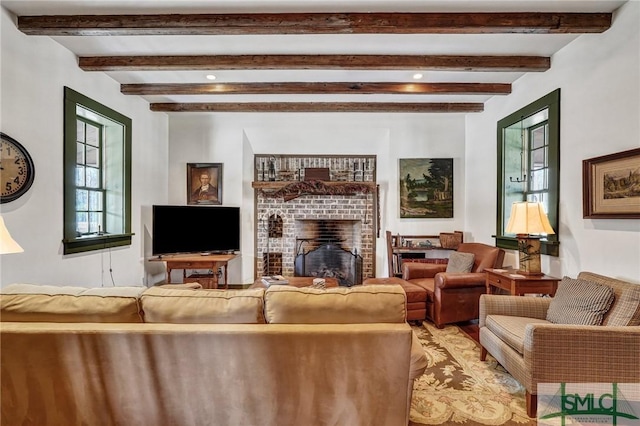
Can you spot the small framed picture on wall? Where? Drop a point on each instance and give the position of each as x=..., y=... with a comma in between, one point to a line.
x=204, y=183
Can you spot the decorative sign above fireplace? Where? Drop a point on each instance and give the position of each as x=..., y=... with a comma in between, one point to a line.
x=335, y=168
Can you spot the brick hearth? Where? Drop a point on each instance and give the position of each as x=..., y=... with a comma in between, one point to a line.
x=289, y=216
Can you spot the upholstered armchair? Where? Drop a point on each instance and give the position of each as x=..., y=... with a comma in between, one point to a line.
x=518, y=332
x=454, y=296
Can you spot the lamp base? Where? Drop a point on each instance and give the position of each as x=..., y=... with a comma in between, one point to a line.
x=529, y=254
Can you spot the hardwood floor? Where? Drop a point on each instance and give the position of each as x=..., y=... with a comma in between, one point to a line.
x=471, y=328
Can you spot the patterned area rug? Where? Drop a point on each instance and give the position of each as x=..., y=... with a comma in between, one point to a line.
x=459, y=389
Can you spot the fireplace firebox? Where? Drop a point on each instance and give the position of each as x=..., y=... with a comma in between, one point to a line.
x=332, y=261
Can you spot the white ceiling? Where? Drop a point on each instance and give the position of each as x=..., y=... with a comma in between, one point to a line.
x=421, y=44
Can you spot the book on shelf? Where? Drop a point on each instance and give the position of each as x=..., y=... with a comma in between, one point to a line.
x=274, y=280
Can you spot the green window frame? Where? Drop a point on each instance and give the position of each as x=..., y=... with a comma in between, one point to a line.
x=97, y=175
x=529, y=166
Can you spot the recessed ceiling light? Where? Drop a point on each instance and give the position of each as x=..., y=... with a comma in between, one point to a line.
x=211, y=77
x=417, y=76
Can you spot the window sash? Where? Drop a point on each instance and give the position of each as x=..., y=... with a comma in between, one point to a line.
x=90, y=197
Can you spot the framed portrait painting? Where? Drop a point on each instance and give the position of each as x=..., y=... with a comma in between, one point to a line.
x=611, y=186
x=204, y=183
x=426, y=188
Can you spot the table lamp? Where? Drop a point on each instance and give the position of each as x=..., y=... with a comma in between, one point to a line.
x=7, y=244
x=528, y=219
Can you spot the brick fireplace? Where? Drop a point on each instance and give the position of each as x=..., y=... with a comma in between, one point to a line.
x=329, y=226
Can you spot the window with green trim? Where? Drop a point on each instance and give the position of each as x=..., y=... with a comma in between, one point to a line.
x=529, y=166
x=97, y=175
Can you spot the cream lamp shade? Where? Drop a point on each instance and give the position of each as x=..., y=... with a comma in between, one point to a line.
x=7, y=244
x=527, y=219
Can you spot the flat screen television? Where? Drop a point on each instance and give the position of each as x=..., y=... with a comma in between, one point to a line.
x=192, y=229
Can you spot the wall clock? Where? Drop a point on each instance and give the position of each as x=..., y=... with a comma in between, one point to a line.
x=16, y=169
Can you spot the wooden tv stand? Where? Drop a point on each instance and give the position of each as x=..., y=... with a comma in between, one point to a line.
x=212, y=262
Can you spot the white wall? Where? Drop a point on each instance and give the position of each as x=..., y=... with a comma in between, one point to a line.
x=598, y=75
x=34, y=71
x=599, y=78
x=233, y=139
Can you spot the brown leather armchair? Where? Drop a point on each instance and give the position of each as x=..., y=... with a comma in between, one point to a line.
x=454, y=297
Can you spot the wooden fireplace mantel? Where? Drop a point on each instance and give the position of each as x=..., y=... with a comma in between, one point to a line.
x=293, y=189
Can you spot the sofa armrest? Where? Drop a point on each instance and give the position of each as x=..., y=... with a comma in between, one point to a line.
x=515, y=306
x=418, y=358
x=455, y=280
x=582, y=354
x=412, y=270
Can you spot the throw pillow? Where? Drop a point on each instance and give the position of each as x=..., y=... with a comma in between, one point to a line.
x=580, y=302
x=460, y=262
x=628, y=309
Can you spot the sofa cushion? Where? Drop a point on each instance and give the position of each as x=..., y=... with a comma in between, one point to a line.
x=162, y=305
x=511, y=329
x=460, y=262
x=627, y=308
x=337, y=305
x=47, y=303
x=419, y=361
x=618, y=287
x=580, y=302
x=207, y=374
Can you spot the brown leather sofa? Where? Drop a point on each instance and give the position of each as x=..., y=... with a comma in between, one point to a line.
x=167, y=356
x=454, y=297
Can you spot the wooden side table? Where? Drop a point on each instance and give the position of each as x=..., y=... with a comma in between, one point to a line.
x=211, y=262
x=517, y=284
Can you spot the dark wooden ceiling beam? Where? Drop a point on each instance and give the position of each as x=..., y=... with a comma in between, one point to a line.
x=316, y=88
x=315, y=23
x=319, y=107
x=316, y=62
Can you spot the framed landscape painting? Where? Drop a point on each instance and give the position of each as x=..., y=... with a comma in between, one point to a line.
x=611, y=186
x=426, y=188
